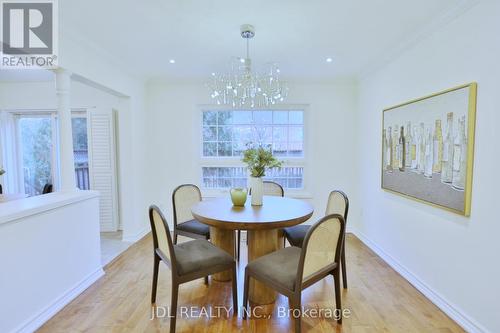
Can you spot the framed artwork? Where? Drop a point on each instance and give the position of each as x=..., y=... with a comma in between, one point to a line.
x=428, y=148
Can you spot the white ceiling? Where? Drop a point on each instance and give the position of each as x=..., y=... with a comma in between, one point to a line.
x=203, y=35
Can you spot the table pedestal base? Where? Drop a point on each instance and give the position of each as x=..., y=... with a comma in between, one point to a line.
x=223, y=239
x=261, y=242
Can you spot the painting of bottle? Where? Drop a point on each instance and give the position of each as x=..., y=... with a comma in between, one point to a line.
x=447, y=162
x=428, y=148
x=389, y=150
x=460, y=157
x=428, y=154
x=408, y=142
x=395, y=146
x=414, y=149
x=421, y=155
x=437, y=147
x=401, y=150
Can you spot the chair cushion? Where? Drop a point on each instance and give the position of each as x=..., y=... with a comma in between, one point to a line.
x=280, y=266
x=198, y=255
x=195, y=227
x=296, y=234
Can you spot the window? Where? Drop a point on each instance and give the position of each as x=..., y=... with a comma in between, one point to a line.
x=35, y=151
x=80, y=151
x=225, y=135
x=227, y=177
x=30, y=153
x=35, y=140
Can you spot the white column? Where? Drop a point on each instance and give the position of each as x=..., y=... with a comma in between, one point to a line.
x=67, y=160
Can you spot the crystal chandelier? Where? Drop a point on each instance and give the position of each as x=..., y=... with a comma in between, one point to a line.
x=244, y=88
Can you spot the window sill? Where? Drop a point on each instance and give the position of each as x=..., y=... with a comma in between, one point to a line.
x=296, y=194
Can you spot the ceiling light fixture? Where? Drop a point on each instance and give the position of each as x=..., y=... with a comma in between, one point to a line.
x=172, y=61
x=244, y=88
x=329, y=59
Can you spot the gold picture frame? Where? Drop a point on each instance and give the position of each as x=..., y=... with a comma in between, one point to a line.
x=419, y=171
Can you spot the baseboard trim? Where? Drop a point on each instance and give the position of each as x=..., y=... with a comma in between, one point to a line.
x=137, y=236
x=451, y=310
x=43, y=316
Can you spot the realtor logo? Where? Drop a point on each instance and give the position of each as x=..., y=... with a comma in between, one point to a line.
x=29, y=34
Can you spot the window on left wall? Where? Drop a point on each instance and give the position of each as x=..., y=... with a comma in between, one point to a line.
x=33, y=144
x=81, y=150
x=35, y=147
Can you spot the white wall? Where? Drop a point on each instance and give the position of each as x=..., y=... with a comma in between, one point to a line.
x=453, y=259
x=173, y=134
x=49, y=253
x=82, y=57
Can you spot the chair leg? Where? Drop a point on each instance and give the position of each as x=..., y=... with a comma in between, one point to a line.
x=173, y=306
x=338, y=296
x=156, y=267
x=175, y=237
x=297, y=315
x=245, y=294
x=235, y=291
x=344, y=270
x=205, y=280
x=238, y=247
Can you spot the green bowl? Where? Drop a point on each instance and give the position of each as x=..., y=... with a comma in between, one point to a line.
x=238, y=196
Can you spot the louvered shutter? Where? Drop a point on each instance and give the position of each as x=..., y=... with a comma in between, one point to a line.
x=102, y=162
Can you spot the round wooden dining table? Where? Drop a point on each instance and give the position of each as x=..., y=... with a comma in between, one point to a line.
x=262, y=222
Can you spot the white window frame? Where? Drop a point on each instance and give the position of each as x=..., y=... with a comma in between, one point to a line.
x=230, y=161
x=18, y=115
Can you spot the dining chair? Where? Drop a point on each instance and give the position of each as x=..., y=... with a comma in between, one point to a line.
x=187, y=261
x=270, y=188
x=1, y=191
x=273, y=188
x=293, y=269
x=47, y=188
x=183, y=197
x=338, y=203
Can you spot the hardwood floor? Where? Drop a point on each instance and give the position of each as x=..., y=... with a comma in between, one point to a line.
x=378, y=298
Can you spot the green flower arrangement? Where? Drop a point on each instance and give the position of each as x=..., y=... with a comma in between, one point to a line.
x=259, y=159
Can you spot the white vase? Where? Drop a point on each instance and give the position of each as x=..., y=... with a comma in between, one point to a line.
x=257, y=187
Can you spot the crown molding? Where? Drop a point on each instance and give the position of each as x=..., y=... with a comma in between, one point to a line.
x=425, y=32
